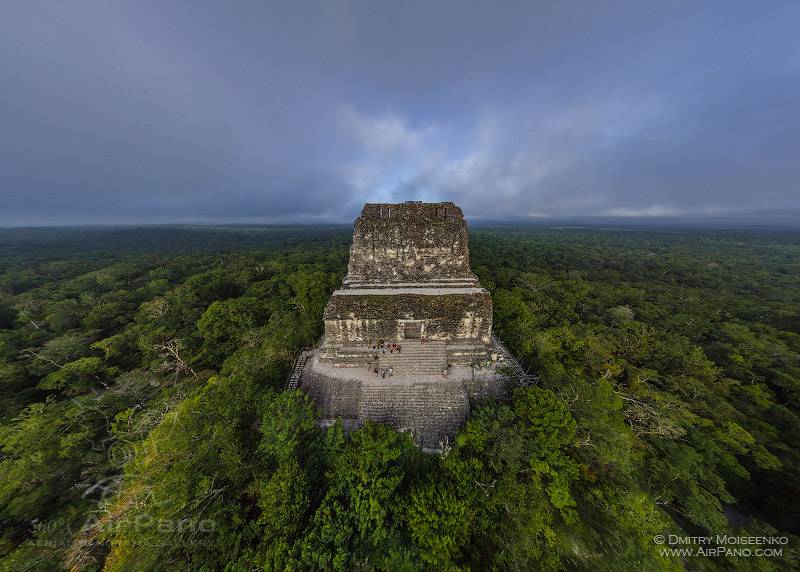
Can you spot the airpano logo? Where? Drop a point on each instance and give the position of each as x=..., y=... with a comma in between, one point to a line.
x=723, y=545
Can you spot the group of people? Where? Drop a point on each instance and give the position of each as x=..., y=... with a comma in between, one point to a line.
x=392, y=347
x=383, y=372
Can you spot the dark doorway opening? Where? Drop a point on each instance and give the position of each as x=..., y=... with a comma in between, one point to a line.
x=412, y=330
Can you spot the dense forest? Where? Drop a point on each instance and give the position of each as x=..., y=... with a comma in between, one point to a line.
x=144, y=423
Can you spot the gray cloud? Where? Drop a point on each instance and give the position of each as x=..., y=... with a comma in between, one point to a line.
x=201, y=111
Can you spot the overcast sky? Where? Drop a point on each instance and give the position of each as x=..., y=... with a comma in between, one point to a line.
x=168, y=111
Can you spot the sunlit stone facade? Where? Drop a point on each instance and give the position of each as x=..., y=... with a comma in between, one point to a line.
x=408, y=278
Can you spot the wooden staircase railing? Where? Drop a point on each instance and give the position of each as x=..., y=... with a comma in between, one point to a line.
x=293, y=380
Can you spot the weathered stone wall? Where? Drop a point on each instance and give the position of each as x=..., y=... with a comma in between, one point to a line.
x=409, y=262
x=434, y=411
x=409, y=242
x=465, y=316
x=336, y=398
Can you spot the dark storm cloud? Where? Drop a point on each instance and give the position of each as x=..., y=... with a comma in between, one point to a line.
x=242, y=111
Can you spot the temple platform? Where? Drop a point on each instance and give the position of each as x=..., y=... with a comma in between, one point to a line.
x=417, y=396
x=414, y=356
x=408, y=282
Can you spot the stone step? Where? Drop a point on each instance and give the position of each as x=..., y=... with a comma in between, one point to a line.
x=414, y=358
x=402, y=355
x=433, y=410
x=433, y=352
x=410, y=365
x=405, y=356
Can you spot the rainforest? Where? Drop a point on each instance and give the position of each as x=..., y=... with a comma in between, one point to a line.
x=145, y=422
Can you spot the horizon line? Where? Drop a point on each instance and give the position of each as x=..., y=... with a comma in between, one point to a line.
x=732, y=222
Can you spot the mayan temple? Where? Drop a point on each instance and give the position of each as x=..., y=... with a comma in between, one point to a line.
x=408, y=337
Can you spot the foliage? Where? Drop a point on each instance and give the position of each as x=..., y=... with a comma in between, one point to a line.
x=144, y=425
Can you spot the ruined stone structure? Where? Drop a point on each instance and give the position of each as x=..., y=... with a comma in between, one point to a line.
x=408, y=279
x=409, y=283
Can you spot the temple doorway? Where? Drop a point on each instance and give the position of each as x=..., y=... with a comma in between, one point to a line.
x=412, y=330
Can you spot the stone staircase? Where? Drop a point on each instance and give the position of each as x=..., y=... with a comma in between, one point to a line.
x=416, y=358
x=297, y=369
x=432, y=411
